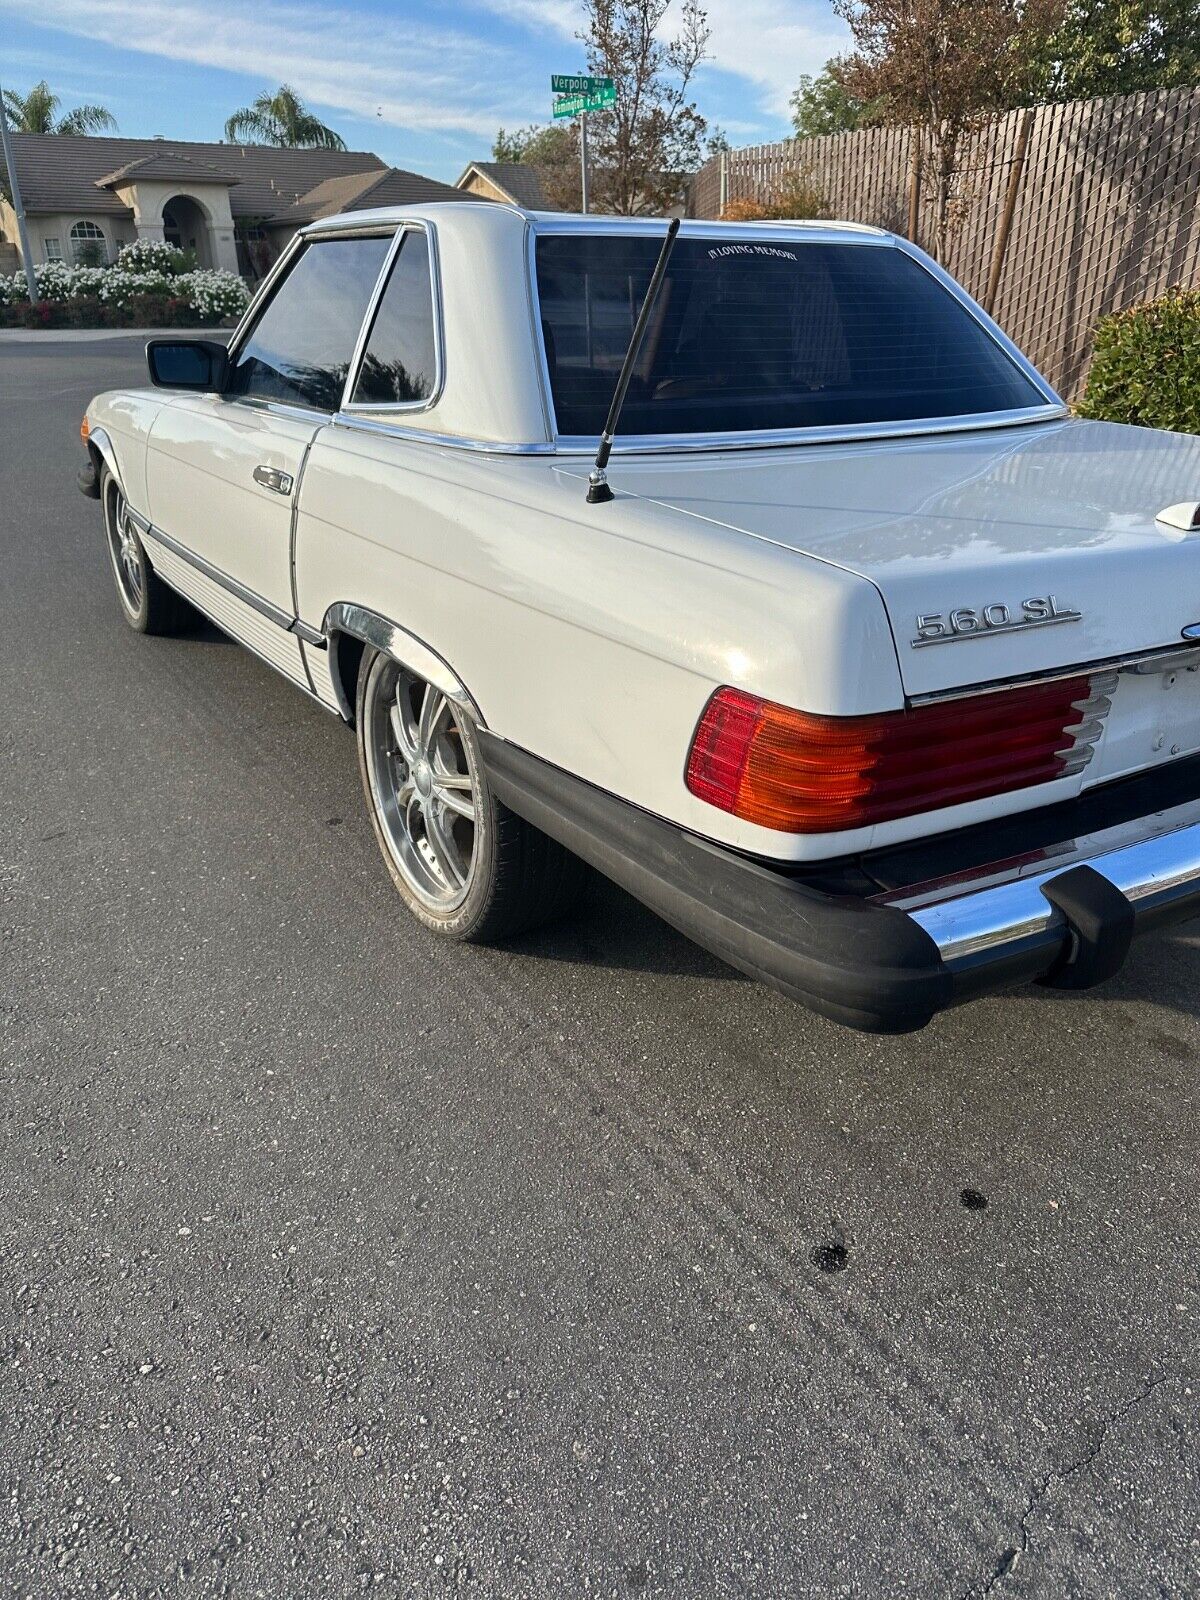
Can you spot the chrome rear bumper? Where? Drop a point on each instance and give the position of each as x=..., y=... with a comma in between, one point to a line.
x=1001, y=926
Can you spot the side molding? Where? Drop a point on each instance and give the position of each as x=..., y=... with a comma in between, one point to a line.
x=402, y=646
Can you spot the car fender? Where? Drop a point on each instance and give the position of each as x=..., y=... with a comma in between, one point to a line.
x=384, y=634
x=100, y=441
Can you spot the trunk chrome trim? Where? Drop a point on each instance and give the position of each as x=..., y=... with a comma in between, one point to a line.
x=1145, y=663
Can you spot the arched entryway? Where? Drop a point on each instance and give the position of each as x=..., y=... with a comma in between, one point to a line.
x=186, y=226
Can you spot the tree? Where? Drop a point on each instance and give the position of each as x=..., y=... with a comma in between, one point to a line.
x=944, y=66
x=823, y=105
x=37, y=112
x=1121, y=47
x=796, y=198
x=553, y=151
x=644, y=148
x=281, y=118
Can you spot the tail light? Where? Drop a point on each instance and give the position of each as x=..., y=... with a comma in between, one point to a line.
x=798, y=773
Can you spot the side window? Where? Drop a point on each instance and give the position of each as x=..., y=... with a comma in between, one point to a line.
x=400, y=362
x=299, y=351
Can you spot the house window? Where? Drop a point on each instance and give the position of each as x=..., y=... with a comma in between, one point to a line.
x=88, y=244
x=52, y=250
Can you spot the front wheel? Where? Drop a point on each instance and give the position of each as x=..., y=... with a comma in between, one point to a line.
x=466, y=866
x=148, y=603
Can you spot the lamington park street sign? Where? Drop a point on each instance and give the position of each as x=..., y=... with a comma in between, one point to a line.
x=575, y=95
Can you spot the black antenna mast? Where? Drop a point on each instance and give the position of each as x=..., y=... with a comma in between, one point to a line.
x=598, y=490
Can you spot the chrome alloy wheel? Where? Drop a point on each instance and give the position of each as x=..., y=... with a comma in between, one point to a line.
x=124, y=550
x=423, y=786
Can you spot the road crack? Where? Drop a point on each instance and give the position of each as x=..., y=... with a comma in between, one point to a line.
x=1041, y=1486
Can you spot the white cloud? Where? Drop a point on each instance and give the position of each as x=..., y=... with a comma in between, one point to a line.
x=771, y=43
x=411, y=75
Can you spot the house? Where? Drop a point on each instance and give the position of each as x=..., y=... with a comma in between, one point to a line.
x=235, y=205
x=511, y=182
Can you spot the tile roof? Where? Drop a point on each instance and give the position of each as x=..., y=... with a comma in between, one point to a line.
x=360, y=190
x=60, y=174
x=168, y=165
x=520, y=182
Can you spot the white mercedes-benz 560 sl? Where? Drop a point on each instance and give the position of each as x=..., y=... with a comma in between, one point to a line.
x=861, y=661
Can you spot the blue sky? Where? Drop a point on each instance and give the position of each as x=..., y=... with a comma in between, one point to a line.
x=424, y=83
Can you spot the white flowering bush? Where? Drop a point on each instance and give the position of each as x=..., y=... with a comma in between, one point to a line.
x=151, y=255
x=145, y=286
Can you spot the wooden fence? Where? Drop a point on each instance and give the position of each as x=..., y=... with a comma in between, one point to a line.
x=1105, y=209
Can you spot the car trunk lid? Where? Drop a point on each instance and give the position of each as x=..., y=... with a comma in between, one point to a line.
x=999, y=554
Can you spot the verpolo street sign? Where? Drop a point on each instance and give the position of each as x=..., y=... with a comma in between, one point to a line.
x=575, y=95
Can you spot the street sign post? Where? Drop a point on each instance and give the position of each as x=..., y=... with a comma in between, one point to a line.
x=574, y=96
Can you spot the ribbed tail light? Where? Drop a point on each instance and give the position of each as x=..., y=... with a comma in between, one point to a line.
x=798, y=773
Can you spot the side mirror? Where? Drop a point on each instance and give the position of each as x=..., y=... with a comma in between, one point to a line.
x=187, y=364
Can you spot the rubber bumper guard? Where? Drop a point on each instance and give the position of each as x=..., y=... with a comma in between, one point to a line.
x=859, y=963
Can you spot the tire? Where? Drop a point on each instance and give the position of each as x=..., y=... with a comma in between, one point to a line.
x=148, y=604
x=466, y=866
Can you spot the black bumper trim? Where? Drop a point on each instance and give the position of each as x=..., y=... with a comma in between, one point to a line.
x=865, y=965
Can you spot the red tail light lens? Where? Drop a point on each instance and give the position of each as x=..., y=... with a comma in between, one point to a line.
x=798, y=773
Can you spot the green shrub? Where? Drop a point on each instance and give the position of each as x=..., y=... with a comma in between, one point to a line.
x=1146, y=369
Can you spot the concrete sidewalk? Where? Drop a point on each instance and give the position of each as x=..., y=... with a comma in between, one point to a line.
x=95, y=335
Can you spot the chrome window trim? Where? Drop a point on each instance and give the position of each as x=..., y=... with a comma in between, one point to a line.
x=401, y=407
x=1052, y=407
x=274, y=281
x=355, y=420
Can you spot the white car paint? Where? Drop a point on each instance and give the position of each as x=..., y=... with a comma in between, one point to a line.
x=593, y=636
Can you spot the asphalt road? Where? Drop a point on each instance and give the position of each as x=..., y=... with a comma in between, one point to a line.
x=333, y=1261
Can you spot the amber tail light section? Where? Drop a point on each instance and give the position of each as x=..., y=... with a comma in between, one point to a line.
x=798, y=773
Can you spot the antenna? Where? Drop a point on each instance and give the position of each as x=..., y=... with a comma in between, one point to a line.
x=598, y=491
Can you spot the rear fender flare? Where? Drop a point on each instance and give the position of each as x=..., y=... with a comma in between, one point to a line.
x=344, y=617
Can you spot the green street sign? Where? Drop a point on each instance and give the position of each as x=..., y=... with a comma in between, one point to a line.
x=570, y=105
x=561, y=83
x=580, y=93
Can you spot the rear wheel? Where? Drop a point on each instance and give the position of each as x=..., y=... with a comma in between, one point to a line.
x=149, y=604
x=466, y=866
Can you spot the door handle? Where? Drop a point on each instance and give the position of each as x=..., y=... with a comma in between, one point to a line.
x=273, y=478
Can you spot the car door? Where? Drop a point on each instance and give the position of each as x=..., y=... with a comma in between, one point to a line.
x=223, y=471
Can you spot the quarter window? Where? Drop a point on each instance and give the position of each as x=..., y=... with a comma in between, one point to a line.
x=400, y=362
x=299, y=351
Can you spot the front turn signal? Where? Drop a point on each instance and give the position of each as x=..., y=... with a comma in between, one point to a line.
x=84, y=429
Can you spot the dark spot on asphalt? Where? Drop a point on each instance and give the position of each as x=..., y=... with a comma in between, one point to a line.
x=1170, y=1045
x=638, y=1575
x=830, y=1257
x=973, y=1200
x=60, y=834
x=333, y=822
x=1007, y=1561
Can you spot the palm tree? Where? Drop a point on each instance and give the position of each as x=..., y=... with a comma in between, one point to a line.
x=37, y=111
x=281, y=118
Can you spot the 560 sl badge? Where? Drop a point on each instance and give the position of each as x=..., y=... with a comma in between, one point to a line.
x=934, y=627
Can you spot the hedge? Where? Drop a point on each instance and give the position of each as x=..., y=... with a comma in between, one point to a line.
x=151, y=285
x=1146, y=369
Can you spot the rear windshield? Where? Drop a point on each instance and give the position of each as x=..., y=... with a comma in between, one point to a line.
x=762, y=333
